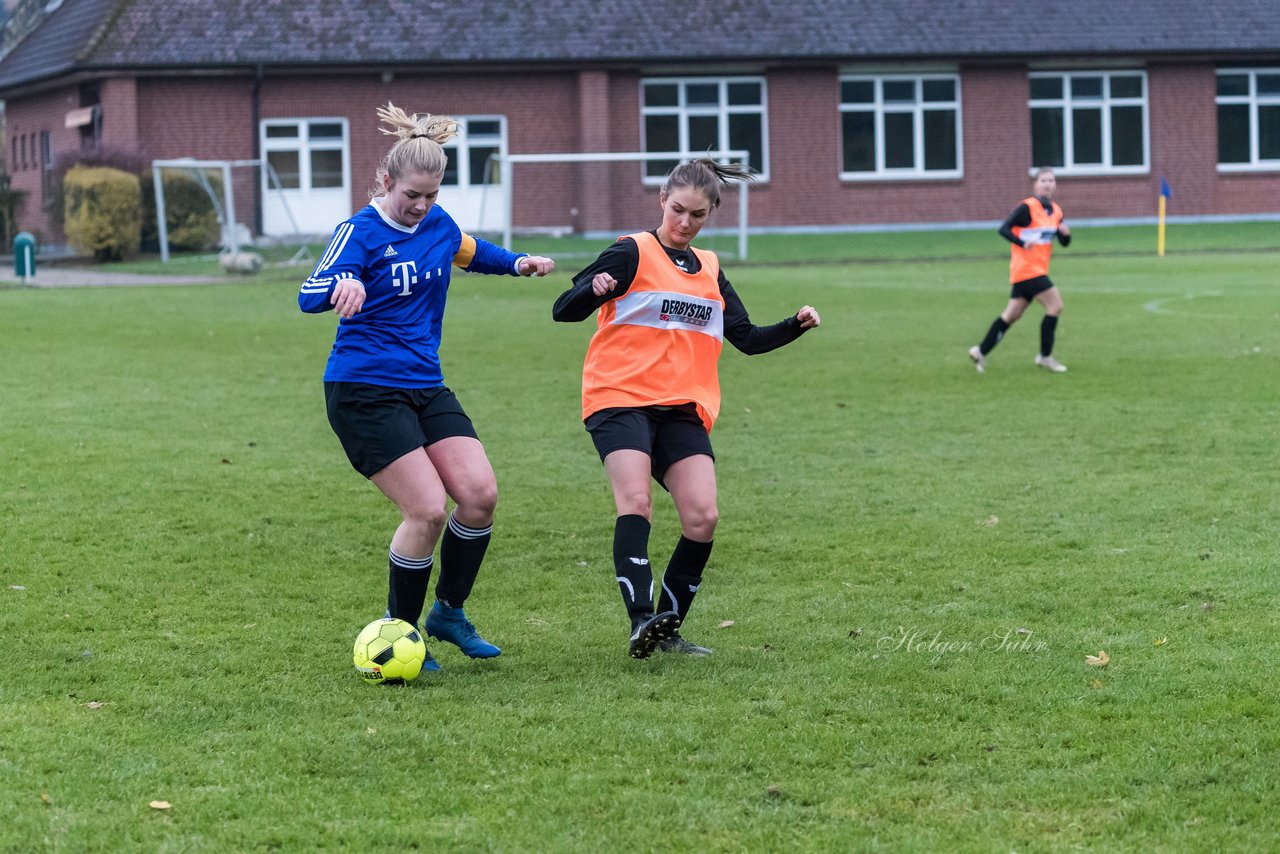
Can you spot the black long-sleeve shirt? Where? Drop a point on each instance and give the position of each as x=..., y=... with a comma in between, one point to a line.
x=1021, y=217
x=621, y=260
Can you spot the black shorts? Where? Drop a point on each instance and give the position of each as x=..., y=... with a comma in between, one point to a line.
x=667, y=434
x=1028, y=288
x=378, y=425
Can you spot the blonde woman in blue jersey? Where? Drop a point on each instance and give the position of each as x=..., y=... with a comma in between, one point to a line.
x=385, y=273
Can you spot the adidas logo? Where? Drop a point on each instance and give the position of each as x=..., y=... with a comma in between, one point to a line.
x=391, y=252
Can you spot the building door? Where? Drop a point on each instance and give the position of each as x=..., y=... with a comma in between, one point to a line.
x=311, y=160
x=471, y=190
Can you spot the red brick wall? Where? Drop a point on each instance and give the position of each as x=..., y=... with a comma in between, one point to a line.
x=211, y=117
x=26, y=118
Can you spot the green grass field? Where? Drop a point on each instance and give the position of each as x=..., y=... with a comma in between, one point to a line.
x=916, y=561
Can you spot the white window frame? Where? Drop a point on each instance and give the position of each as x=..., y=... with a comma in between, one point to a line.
x=722, y=111
x=1253, y=101
x=1068, y=104
x=304, y=145
x=460, y=148
x=917, y=109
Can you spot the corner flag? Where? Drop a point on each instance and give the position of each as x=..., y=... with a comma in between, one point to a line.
x=1165, y=193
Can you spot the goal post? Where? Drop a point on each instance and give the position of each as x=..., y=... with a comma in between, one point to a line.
x=224, y=208
x=507, y=163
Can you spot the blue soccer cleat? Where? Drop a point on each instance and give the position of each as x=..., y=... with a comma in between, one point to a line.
x=450, y=624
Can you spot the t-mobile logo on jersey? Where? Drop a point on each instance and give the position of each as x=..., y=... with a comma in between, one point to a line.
x=404, y=275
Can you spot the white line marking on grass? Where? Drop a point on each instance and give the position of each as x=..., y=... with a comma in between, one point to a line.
x=1157, y=306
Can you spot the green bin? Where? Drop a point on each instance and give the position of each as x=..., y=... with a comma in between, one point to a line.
x=24, y=255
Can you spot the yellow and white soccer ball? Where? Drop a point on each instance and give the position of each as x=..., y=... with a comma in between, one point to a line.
x=389, y=650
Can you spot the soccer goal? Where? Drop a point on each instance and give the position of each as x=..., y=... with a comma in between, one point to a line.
x=224, y=204
x=600, y=193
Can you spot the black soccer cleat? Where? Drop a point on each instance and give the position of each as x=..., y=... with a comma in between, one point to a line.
x=676, y=643
x=651, y=632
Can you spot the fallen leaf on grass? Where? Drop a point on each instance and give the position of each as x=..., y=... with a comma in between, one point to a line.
x=1099, y=660
x=989, y=521
x=371, y=730
x=160, y=805
x=94, y=704
x=1096, y=683
x=44, y=796
x=724, y=624
x=1159, y=641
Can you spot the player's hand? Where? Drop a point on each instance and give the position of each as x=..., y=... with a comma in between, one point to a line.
x=347, y=297
x=1064, y=230
x=535, y=265
x=602, y=284
x=808, y=317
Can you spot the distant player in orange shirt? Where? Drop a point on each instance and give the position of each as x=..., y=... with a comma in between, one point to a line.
x=651, y=389
x=1031, y=228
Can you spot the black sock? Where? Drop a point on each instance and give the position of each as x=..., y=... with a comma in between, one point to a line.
x=994, y=334
x=407, y=588
x=1048, y=329
x=461, y=553
x=631, y=564
x=683, y=576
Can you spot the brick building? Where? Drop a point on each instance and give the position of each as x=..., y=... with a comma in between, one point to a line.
x=859, y=112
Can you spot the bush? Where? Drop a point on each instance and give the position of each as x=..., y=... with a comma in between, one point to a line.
x=189, y=214
x=125, y=159
x=103, y=210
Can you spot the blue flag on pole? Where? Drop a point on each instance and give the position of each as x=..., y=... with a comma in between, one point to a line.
x=1164, y=188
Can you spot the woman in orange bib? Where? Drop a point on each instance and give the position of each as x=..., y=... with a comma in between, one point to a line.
x=1031, y=228
x=651, y=389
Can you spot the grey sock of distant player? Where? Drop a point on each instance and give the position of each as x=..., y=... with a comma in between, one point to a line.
x=994, y=334
x=1048, y=330
x=683, y=577
x=631, y=565
x=462, y=551
x=407, y=588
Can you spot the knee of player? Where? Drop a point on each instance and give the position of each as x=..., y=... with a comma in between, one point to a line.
x=427, y=517
x=637, y=502
x=479, y=499
x=700, y=523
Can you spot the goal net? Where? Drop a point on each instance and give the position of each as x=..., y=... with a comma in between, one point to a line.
x=222, y=194
x=599, y=196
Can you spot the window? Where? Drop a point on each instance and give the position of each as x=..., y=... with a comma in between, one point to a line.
x=306, y=154
x=1089, y=121
x=469, y=152
x=900, y=126
x=46, y=162
x=1248, y=119
x=699, y=114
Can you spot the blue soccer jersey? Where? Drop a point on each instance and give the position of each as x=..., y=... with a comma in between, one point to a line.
x=394, y=340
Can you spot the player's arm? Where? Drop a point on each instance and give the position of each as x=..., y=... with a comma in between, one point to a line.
x=753, y=340
x=480, y=256
x=335, y=285
x=1064, y=234
x=1021, y=217
x=606, y=278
